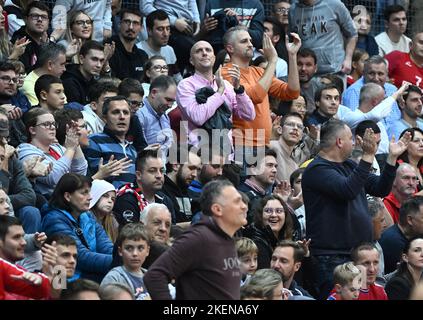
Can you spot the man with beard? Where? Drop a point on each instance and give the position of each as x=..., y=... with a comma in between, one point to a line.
x=158, y=29
x=178, y=177
x=128, y=60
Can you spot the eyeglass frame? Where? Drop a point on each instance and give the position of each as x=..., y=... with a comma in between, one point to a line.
x=36, y=17
x=9, y=79
x=270, y=211
x=294, y=125
x=156, y=68
x=49, y=123
x=128, y=22
x=81, y=23
x=282, y=10
x=139, y=104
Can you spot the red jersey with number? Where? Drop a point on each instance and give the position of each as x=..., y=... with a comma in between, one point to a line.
x=401, y=68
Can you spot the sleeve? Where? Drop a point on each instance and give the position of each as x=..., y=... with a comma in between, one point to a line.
x=392, y=59
x=22, y=287
x=113, y=277
x=104, y=245
x=345, y=21
x=340, y=187
x=380, y=186
x=93, y=154
x=281, y=90
x=397, y=289
x=72, y=91
x=350, y=98
x=59, y=16
x=107, y=18
x=179, y=258
x=20, y=192
x=147, y=7
x=244, y=107
x=256, y=28
x=30, y=243
x=79, y=166
x=195, y=112
x=128, y=203
x=193, y=8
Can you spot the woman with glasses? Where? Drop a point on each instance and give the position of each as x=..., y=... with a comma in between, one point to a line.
x=414, y=153
x=79, y=30
x=153, y=67
x=273, y=222
x=68, y=213
x=41, y=131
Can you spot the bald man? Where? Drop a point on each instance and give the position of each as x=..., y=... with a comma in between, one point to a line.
x=197, y=112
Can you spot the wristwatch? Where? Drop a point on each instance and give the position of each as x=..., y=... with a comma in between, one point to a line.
x=240, y=90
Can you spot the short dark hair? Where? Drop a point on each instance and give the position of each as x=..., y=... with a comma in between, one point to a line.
x=319, y=92
x=306, y=52
x=363, y=125
x=390, y=10
x=5, y=223
x=44, y=83
x=36, y=4
x=49, y=52
x=61, y=239
x=110, y=290
x=132, y=231
x=63, y=118
x=90, y=45
x=329, y=131
x=211, y=191
x=100, y=87
x=291, y=114
x=74, y=288
x=160, y=15
x=143, y=156
x=130, y=85
x=131, y=11
x=295, y=175
x=162, y=82
x=298, y=250
x=7, y=66
x=366, y=246
x=147, y=66
x=108, y=101
x=69, y=182
x=412, y=88
x=30, y=118
x=277, y=27
x=335, y=80
x=410, y=207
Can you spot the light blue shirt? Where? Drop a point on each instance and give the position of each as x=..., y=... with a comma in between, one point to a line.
x=351, y=98
x=400, y=125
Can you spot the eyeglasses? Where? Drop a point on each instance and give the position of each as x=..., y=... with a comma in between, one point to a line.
x=270, y=211
x=83, y=22
x=160, y=68
x=136, y=104
x=282, y=10
x=47, y=125
x=129, y=22
x=36, y=17
x=9, y=79
x=294, y=125
x=300, y=106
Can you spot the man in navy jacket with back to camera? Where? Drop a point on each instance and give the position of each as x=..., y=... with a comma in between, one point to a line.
x=334, y=190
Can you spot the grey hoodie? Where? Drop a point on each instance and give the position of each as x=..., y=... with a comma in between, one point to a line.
x=322, y=28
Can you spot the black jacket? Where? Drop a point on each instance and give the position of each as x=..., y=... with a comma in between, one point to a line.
x=76, y=86
x=32, y=50
x=180, y=200
x=135, y=134
x=126, y=64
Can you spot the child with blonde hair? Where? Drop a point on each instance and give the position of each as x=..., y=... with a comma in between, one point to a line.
x=348, y=280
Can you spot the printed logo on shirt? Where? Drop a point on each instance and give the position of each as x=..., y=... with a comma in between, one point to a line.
x=311, y=26
x=408, y=64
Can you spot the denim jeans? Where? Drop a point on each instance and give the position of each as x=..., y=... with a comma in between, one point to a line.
x=30, y=218
x=323, y=274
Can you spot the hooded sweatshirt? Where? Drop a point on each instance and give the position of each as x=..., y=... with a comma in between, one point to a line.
x=76, y=86
x=203, y=260
x=321, y=28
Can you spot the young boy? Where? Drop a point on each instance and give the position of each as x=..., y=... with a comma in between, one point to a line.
x=247, y=254
x=133, y=246
x=50, y=93
x=348, y=279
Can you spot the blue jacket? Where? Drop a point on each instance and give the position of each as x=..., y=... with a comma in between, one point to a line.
x=93, y=262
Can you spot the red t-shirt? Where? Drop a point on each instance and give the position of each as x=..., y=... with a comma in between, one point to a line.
x=401, y=68
x=373, y=292
x=392, y=205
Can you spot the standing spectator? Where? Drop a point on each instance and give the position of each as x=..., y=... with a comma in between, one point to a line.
x=154, y=67
x=407, y=66
x=100, y=11
x=67, y=214
x=332, y=183
x=414, y=153
x=322, y=26
x=409, y=272
x=158, y=29
x=281, y=12
x=128, y=60
x=395, y=25
x=79, y=78
x=200, y=271
x=184, y=23
x=363, y=23
x=197, y=110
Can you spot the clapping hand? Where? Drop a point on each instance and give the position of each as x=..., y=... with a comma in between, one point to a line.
x=295, y=45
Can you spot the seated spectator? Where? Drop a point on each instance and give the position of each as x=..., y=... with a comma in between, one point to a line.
x=50, y=93
x=411, y=109
x=347, y=279
x=93, y=111
x=79, y=29
x=132, y=90
x=115, y=291
x=394, y=239
x=158, y=30
x=271, y=283
x=297, y=192
x=81, y=289
x=20, y=100
x=413, y=155
x=368, y=256
x=103, y=197
x=134, y=245
x=404, y=66
x=68, y=214
x=357, y=65
x=77, y=79
x=247, y=252
x=128, y=60
x=327, y=102
x=394, y=37
x=409, y=272
x=52, y=61
x=155, y=66
x=112, y=142
x=363, y=24
x=41, y=127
